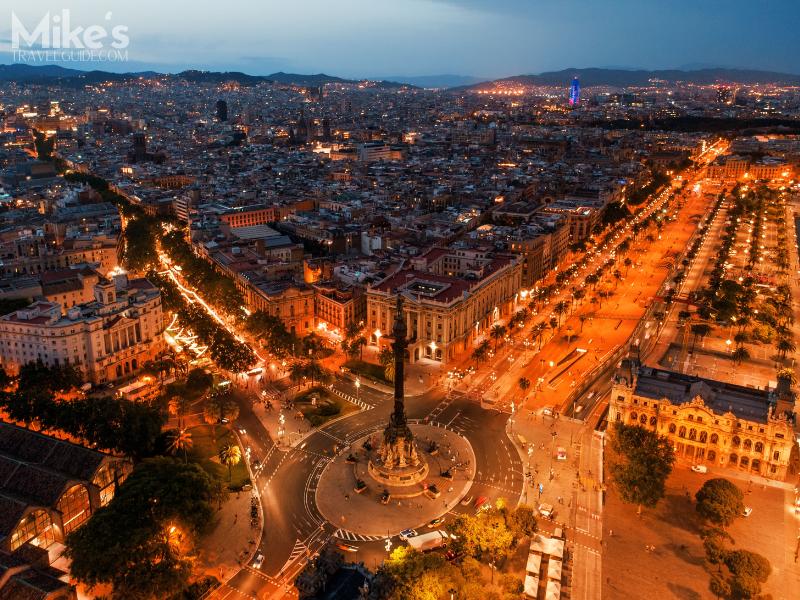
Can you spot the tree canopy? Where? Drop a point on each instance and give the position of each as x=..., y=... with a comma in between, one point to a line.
x=139, y=542
x=719, y=501
x=639, y=464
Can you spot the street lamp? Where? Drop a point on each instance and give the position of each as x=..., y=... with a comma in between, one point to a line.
x=358, y=388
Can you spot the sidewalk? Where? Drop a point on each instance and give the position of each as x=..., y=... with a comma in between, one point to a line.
x=230, y=544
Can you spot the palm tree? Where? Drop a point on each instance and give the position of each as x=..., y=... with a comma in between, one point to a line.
x=497, y=332
x=538, y=332
x=230, y=455
x=592, y=280
x=351, y=330
x=740, y=354
x=582, y=319
x=359, y=343
x=220, y=405
x=700, y=330
x=297, y=372
x=177, y=406
x=627, y=262
x=524, y=383
x=386, y=358
x=560, y=308
x=180, y=440
x=785, y=345
x=617, y=277
x=480, y=352
x=579, y=294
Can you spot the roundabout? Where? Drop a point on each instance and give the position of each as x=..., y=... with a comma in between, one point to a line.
x=351, y=498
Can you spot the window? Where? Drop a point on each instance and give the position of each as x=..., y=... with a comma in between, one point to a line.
x=776, y=455
x=672, y=428
x=712, y=456
x=682, y=432
x=703, y=437
x=747, y=445
x=744, y=462
x=759, y=447
x=652, y=421
x=736, y=442
x=714, y=438
x=74, y=507
x=692, y=434
x=36, y=528
x=733, y=459
x=634, y=416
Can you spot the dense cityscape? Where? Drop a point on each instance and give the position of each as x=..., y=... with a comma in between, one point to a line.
x=303, y=336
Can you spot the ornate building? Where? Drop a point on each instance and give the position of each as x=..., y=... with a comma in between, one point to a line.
x=709, y=422
x=450, y=298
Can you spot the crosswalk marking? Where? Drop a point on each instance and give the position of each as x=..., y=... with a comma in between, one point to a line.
x=349, y=536
x=361, y=404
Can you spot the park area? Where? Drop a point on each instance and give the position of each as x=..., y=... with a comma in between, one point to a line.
x=318, y=406
x=660, y=554
x=207, y=443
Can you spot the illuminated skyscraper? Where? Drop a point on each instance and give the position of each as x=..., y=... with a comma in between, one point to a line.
x=574, y=92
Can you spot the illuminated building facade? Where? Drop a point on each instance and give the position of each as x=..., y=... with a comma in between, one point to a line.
x=107, y=339
x=708, y=422
x=574, y=92
x=451, y=297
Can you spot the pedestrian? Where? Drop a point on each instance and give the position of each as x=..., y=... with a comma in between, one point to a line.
x=235, y=517
x=610, y=533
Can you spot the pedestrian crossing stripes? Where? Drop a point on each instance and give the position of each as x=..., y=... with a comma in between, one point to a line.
x=343, y=534
x=299, y=550
x=362, y=405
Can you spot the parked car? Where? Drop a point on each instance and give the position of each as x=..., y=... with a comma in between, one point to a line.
x=258, y=561
x=700, y=468
x=546, y=510
x=747, y=511
x=407, y=533
x=467, y=501
x=435, y=523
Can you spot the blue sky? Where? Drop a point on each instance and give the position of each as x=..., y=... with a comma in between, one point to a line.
x=484, y=38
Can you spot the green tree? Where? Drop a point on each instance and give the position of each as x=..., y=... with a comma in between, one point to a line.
x=639, y=464
x=130, y=543
x=497, y=332
x=719, y=501
x=230, y=455
x=524, y=383
x=386, y=359
x=180, y=441
x=220, y=405
x=522, y=521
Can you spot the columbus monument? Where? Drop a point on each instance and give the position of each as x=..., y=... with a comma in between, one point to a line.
x=398, y=463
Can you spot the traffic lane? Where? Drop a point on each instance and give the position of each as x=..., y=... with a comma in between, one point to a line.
x=498, y=466
x=287, y=516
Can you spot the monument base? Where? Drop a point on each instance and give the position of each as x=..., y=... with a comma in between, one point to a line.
x=398, y=476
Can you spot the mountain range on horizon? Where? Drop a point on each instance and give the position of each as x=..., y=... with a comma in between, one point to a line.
x=589, y=77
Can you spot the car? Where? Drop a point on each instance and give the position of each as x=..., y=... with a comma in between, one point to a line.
x=747, y=511
x=467, y=501
x=480, y=502
x=258, y=561
x=242, y=431
x=546, y=510
x=407, y=533
x=453, y=556
x=700, y=468
x=561, y=453
x=347, y=547
x=435, y=523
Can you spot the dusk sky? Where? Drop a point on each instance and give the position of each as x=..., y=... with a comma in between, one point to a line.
x=483, y=38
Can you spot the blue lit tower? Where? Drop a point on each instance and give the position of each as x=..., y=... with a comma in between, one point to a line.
x=574, y=92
